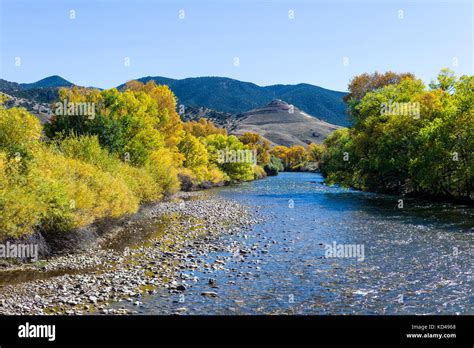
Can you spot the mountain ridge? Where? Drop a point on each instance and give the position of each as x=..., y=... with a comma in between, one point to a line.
x=234, y=96
x=54, y=81
x=222, y=94
x=282, y=124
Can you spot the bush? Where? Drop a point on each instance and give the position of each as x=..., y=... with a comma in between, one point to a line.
x=216, y=176
x=139, y=180
x=84, y=192
x=163, y=170
x=274, y=166
x=259, y=172
x=20, y=210
x=58, y=194
x=334, y=165
x=18, y=128
x=219, y=143
x=187, y=179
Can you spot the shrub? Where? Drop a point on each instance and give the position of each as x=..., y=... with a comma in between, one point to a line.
x=139, y=180
x=84, y=192
x=20, y=209
x=216, y=176
x=163, y=170
x=237, y=171
x=259, y=172
x=274, y=166
x=18, y=128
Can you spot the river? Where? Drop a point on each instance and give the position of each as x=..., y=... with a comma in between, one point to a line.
x=411, y=260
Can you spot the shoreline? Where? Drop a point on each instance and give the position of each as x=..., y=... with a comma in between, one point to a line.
x=171, y=237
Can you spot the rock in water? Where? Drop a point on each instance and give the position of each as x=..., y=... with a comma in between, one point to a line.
x=209, y=293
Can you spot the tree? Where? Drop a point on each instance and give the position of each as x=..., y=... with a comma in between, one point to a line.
x=203, y=128
x=281, y=153
x=170, y=123
x=256, y=142
x=338, y=160
x=445, y=80
x=315, y=152
x=296, y=157
x=429, y=152
x=218, y=144
x=195, y=156
x=360, y=85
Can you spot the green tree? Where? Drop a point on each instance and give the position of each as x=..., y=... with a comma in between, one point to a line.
x=217, y=145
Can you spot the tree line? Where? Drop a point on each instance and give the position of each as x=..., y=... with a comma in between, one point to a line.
x=407, y=138
x=134, y=148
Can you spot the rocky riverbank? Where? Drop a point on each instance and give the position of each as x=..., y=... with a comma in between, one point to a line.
x=142, y=254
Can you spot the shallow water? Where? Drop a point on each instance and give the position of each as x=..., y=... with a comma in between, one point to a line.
x=416, y=260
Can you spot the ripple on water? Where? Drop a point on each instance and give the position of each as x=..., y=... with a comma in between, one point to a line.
x=418, y=260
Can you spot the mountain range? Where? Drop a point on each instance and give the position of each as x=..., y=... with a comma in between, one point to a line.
x=234, y=96
x=216, y=93
x=279, y=112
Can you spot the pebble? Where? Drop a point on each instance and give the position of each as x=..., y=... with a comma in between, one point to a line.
x=100, y=275
x=209, y=293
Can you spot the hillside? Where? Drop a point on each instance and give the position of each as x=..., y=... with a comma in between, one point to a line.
x=54, y=81
x=221, y=95
x=42, y=91
x=219, y=118
x=40, y=110
x=282, y=124
x=233, y=96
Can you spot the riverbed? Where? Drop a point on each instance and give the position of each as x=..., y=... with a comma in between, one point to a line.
x=283, y=245
x=416, y=259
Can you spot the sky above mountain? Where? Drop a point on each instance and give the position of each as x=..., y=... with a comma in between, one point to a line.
x=324, y=43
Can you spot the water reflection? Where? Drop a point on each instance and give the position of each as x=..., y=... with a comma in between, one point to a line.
x=418, y=259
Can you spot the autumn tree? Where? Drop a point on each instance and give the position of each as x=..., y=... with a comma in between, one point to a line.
x=170, y=123
x=203, y=128
x=360, y=85
x=256, y=142
x=280, y=152
x=315, y=152
x=426, y=153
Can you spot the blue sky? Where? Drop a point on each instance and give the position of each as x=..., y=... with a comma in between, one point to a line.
x=271, y=48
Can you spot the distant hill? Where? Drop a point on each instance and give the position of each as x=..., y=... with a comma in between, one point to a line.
x=233, y=96
x=42, y=91
x=219, y=94
x=54, y=81
x=282, y=124
x=9, y=86
x=36, y=97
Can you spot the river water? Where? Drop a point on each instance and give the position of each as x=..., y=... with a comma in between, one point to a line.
x=411, y=260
